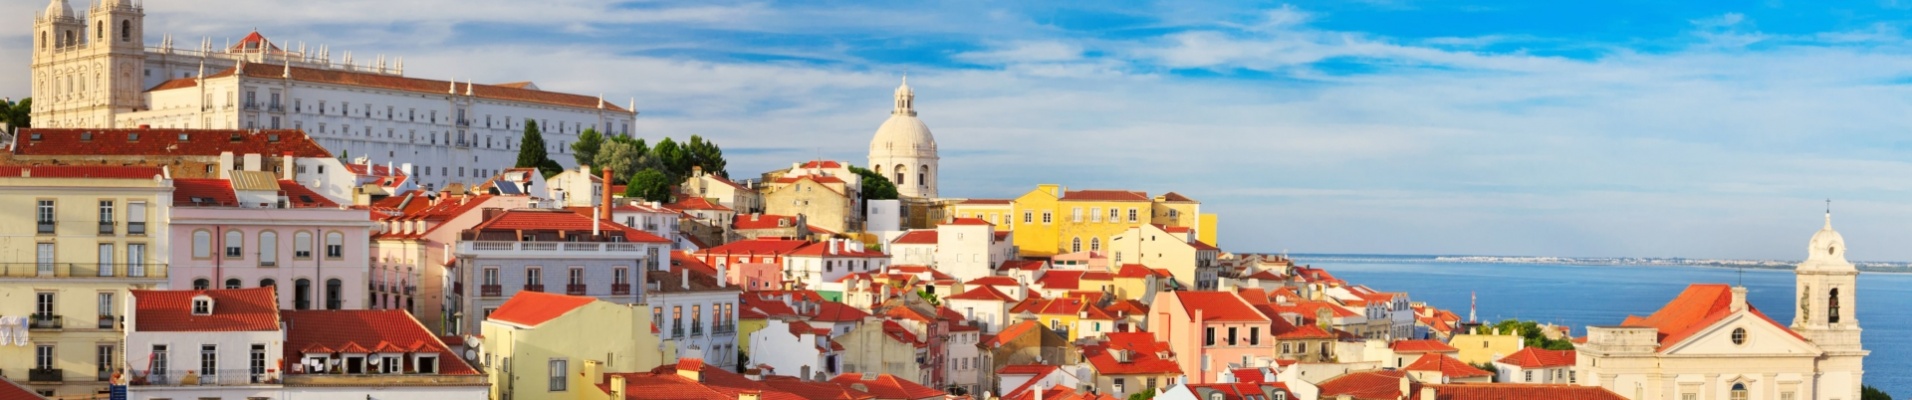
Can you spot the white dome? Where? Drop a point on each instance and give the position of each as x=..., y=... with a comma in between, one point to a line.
x=903, y=135
x=59, y=9
x=1826, y=250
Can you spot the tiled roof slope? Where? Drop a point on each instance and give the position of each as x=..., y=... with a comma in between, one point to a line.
x=1699, y=306
x=1535, y=357
x=166, y=142
x=254, y=309
x=427, y=86
x=78, y=171
x=371, y=329
x=1449, y=367
x=533, y=308
x=1520, y=391
x=886, y=386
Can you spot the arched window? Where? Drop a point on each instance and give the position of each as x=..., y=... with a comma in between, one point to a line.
x=202, y=284
x=99, y=30
x=43, y=40
x=126, y=30
x=232, y=283
x=302, y=294
x=333, y=290
x=268, y=249
x=1832, y=307
x=235, y=244
x=922, y=176
x=1095, y=244
x=900, y=172
x=202, y=244
x=334, y=245
x=268, y=282
x=1739, y=392
x=302, y=245
x=1075, y=245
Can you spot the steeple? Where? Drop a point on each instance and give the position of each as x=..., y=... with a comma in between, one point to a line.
x=905, y=99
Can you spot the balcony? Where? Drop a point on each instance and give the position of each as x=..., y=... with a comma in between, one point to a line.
x=275, y=107
x=46, y=227
x=723, y=329
x=251, y=106
x=234, y=377
x=81, y=271
x=103, y=375
x=696, y=328
x=677, y=331
x=534, y=288
x=108, y=227
x=574, y=290
x=617, y=250
x=620, y=289
x=136, y=228
x=45, y=321
x=107, y=321
x=43, y=375
x=491, y=290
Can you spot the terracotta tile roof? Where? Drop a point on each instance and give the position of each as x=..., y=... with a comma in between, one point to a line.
x=525, y=219
x=79, y=171
x=815, y=390
x=175, y=83
x=830, y=311
x=887, y=387
x=533, y=308
x=1364, y=385
x=1105, y=195
x=203, y=192
x=695, y=203
x=1520, y=391
x=426, y=86
x=1024, y=265
x=13, y=391
x=1695, y=309
x=1133, y=271
x=920, y=236
x=1176, y=197
x=995, y=280
x=254, y=309
x=821, y=164
x=968, y=221
x=814, y=178
x=1026, y=369
x=762, y=221
x=1014, y=331
x=759, y=246
x=447, y=207
x=1242, y=390
x=1535, y=357
x=1143, y=355
x=1218, y=306
x=166, y=142
x=381, y=331
x=300, y=196
x=982, y=292
x=673, y=282
x=1421, y=346
x=843, y=249
x=1200, y=246
x=1448, y=366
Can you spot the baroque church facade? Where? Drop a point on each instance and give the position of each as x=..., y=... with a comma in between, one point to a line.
x=1710, y=344
x=100, y=72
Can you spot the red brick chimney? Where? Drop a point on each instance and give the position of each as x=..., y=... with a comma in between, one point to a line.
x=604, y=211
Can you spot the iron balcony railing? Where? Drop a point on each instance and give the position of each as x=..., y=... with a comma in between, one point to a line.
x=574, y=290
x=534, y=288
x=46, y=375
x=218, y=377
x=620, y=289
x=491, y=290
x=45, y=321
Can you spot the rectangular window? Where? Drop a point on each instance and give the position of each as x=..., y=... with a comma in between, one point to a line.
x=576, y=276
x=534, y=276
x=43, y=357
x=334, y=245
x=1231, y=336
x=106, y=305
x=136, y=218
x=491, y=276
x=1095, y=214
x=1028, y=217
x=45, y=216
x=43, y=304
x=256, y=363
x=43, y=258
x=1254, y=336
x=1047, y=217
x=208, y=360
x=1115, y=215
x=103, y=361
x=1075, y=215
x=106, y=259
x=621, y=276
x=1528, y=375
x=1210, y=337
x=557, y=375
x=107, y=226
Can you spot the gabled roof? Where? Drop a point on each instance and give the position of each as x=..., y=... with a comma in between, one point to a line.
x=1014, y=331
x=382, y=331
x=1696, y=308
x=254, y=309
x=1024, y=265
x=1105, y=195
x=1176, y=197
x=166, y=142
x=982, y=292
x=1240, y=390
x=1218, y=306
x=79, y=171
x=919, y=236
x=417, y=85
x=759, y=246
x=1448, y=366
x=1520, y=391
x=695, y=203
x=886, y=386
x=1026, y=369
x=1364, y=385
x=203, y=192
x=1535, y=357
x=762, y=221
x=1141, y=355
x=531, y=309
x=830, y=311
x=1421, y=346
x=968, y=221
x=300, y=196
x=13, y=391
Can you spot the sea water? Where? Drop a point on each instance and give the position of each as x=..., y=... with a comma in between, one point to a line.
x=1582, y=295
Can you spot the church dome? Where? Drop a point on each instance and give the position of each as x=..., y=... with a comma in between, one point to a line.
x=59, y=9
x=903, y=134
x=1827, y=250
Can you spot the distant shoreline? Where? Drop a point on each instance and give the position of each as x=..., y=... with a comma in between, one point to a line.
x=1890, y=267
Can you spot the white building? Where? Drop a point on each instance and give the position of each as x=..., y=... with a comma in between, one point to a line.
x=203, y=344
x=794, y=348
x=1537, y=365
x=904, y=150
x=99, y=72
x=1709, y=343
x=967, y=248
x=698, y=312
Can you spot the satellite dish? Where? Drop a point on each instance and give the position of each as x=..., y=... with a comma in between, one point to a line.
x=471, y=354
x=373, y=360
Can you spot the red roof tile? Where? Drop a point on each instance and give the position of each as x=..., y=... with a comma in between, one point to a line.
x=1421, y=346
x=920, y=236
x=383, y=330
x=559, y=220
x=204, y=192
x=1448, y=366
x=695, y=203
x=762, y=221
x=1241, y=390
x=1026, y=369
x=426, y=86
x=1024, y=265
x=300, y=196
x=1218, y=306
x=1143, y=355
x=79, y=171
x=166, y=142
x=1176, y=197
x=1520, y=391
x=1364, y=385
x=830, y=311
x=1105, y=195
x=982, y=292
x=987, y=201
x=1696, y=308
x=533, y=308
x=969, y=221
x=13, y=391
x=1535, y=357
x=1013, y=331
x=995, y=280
x=255, y=309
x=886, y=386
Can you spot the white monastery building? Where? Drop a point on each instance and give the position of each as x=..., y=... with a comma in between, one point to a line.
x=99, y=72
x=1710, y=344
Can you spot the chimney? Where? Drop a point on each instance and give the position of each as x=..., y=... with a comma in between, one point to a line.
x=693, y=374
x=1739, y=299
x=606, y=213
x=593, y=371
x=1427, y=393
x=686, y=282
x=723, y=277
x=617, y=387
x=750, y=395
x=285, y=166
x=225, y=165
x=1407, y=389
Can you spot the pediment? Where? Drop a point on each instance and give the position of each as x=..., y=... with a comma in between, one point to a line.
x=1762, y=337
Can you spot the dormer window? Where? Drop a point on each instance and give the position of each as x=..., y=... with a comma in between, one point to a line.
x=427, y=364
x=202, y=305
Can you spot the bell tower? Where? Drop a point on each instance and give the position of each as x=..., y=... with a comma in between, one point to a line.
x=1825, y=289
x=87, y=70
x=120, y=49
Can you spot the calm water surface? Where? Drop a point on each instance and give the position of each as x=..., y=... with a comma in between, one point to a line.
x=1582, y=295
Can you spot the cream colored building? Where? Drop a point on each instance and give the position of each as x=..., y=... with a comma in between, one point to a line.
x=1709, y=343
x=828, y=202
x=731, y=194
x=1485, y=347
x=538, y=344
x=1193, y=263
x=903, y=149
x=92, y=234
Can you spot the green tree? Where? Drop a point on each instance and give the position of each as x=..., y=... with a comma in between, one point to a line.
x=1143, y=395
x=706, y=154
x=1867, y=392
x=16, y=115
x=531, y=152
x=676, y=162
x=875, y=186
x=649, y=184
x=1531, y=334
x=586, y=149
x=1489, y=367
x=929, y=297
x=623, y=157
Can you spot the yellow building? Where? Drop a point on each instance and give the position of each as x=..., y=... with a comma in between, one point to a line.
x=1052, y=220
x=92, y=233
x=1486, y=347
x=827, y=202
x=536, y=336
x=999, y=212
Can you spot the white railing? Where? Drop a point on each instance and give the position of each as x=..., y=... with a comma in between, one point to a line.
x=569, y=247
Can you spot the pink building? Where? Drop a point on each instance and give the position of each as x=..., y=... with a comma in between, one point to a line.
x=416, y=234
x=249, y=229
x=1211, y=332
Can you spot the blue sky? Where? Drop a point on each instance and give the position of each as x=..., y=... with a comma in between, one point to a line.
x=1629, y=128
